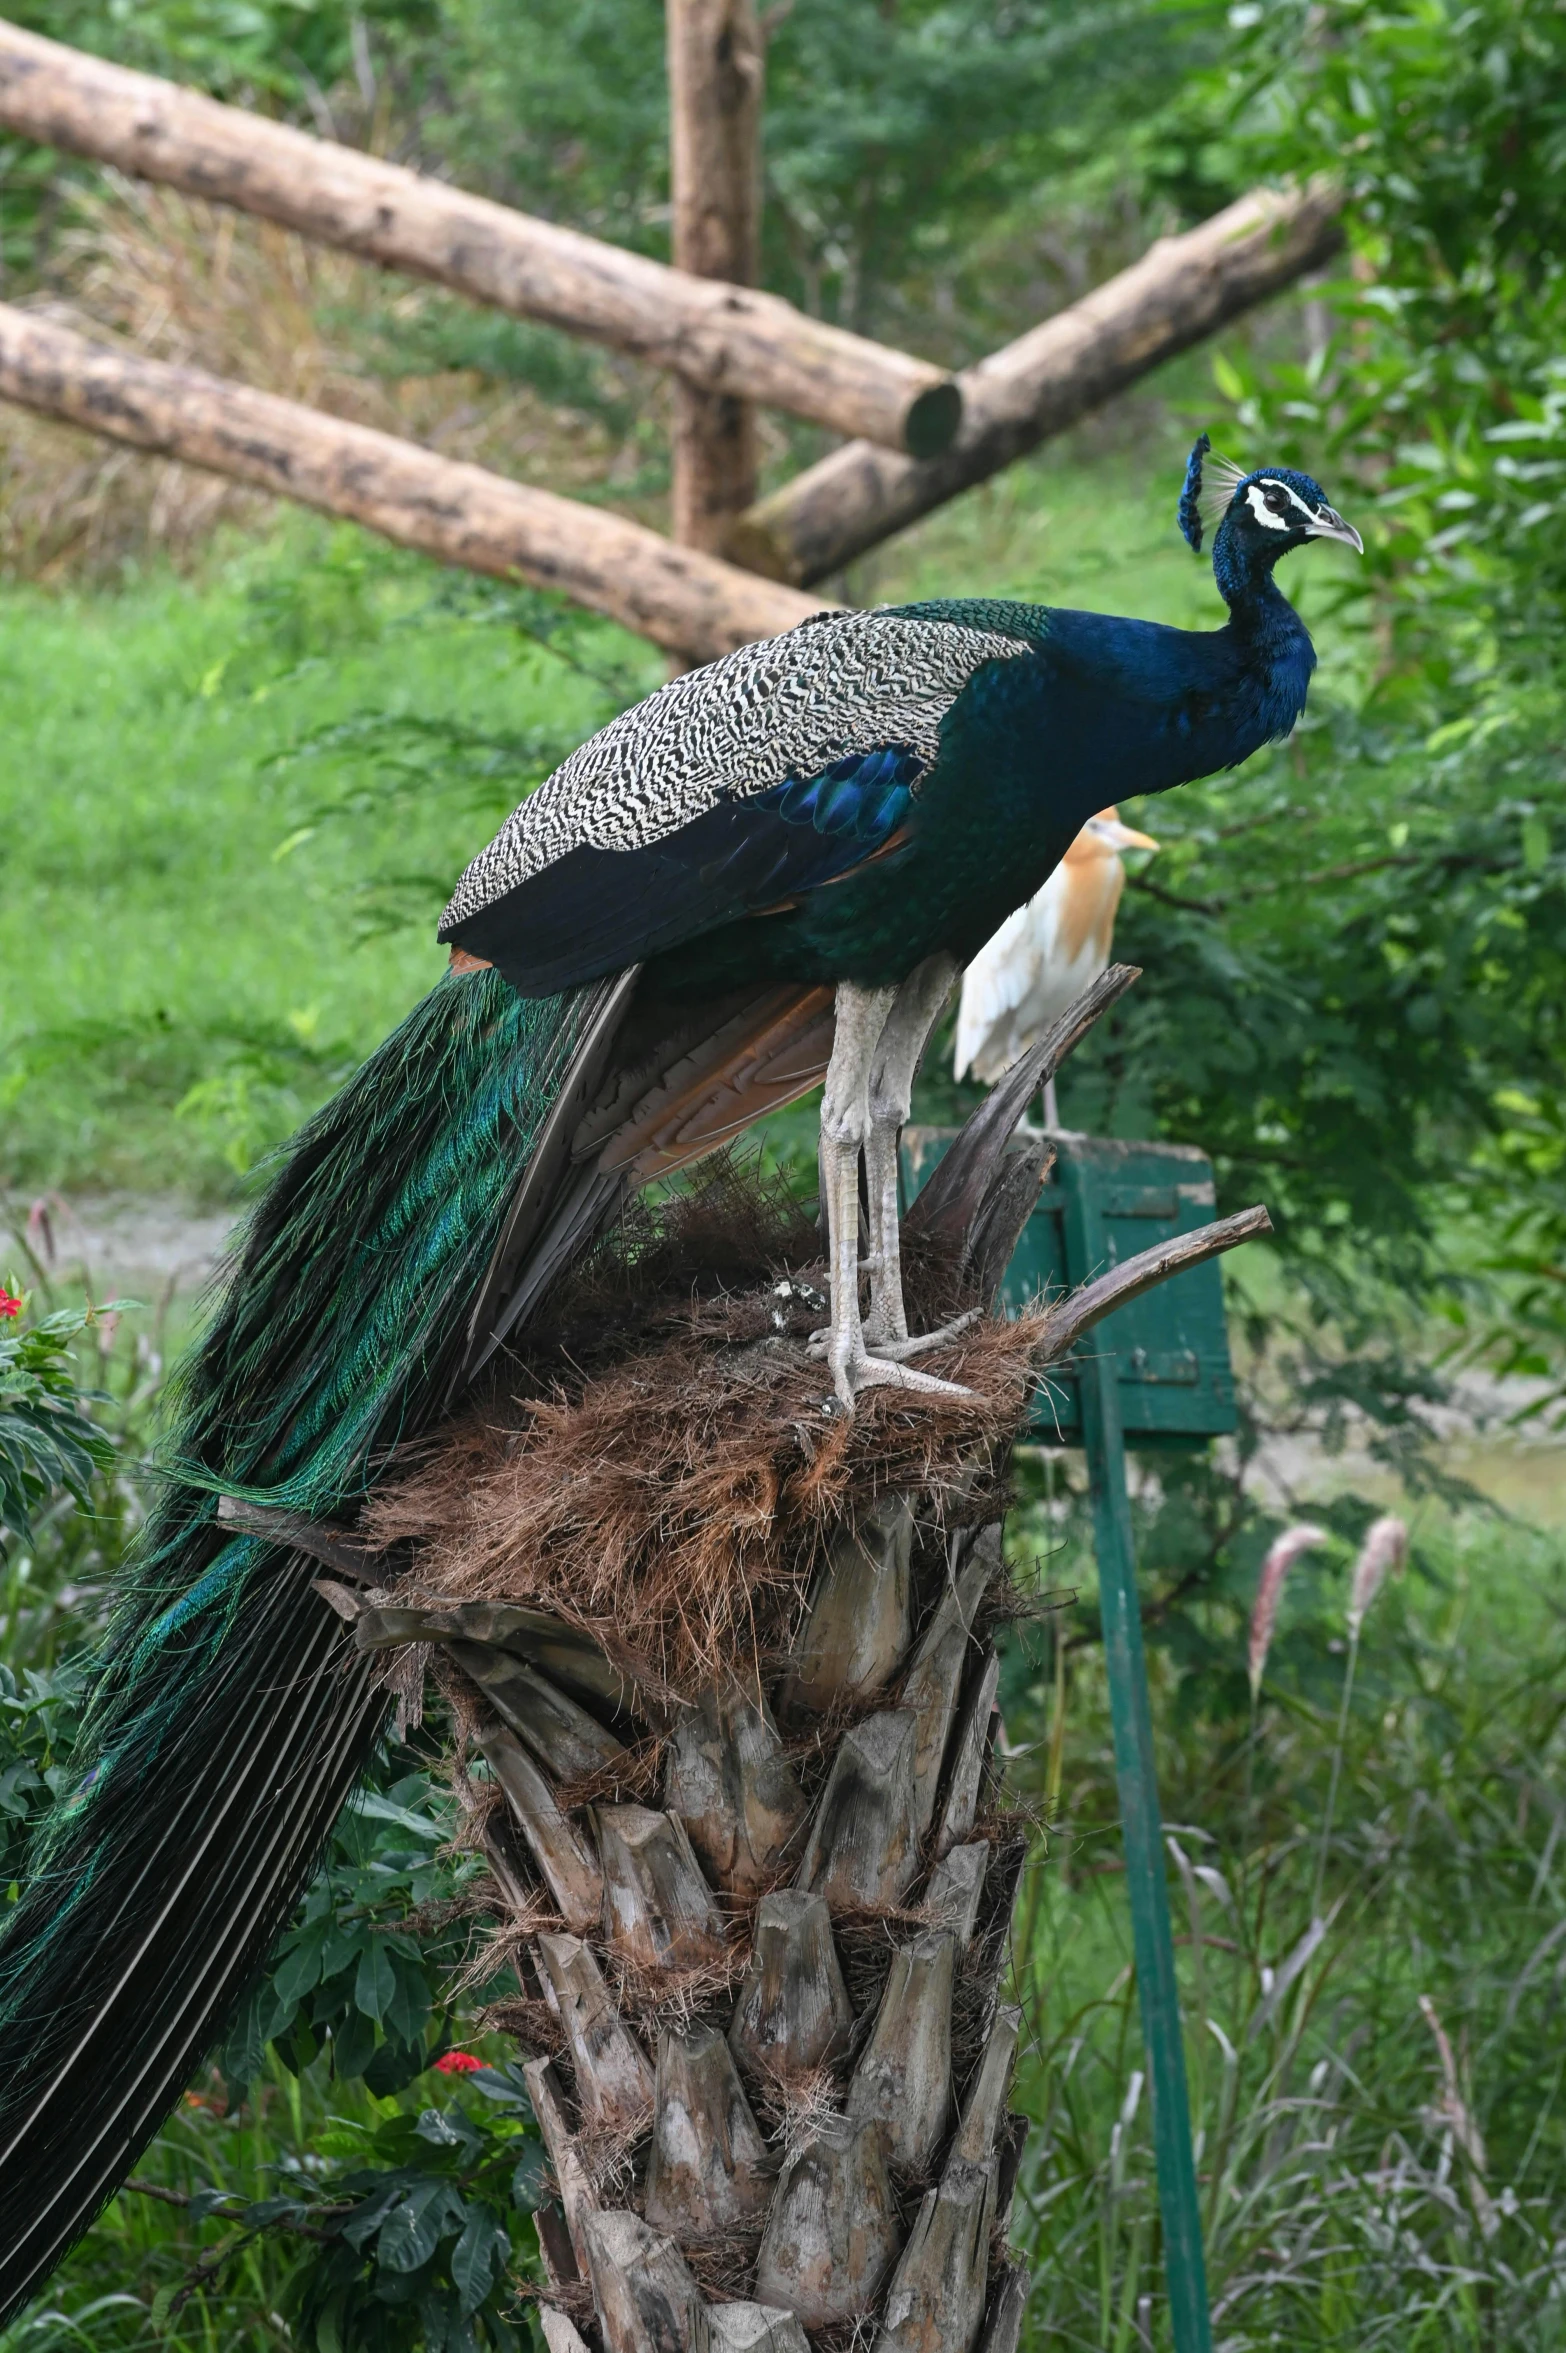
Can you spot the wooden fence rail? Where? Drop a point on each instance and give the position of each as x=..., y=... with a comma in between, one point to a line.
x=694, y=604
x=723, y=338
x=1182, y=289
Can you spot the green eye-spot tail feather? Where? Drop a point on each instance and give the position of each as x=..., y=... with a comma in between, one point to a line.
x=230, y=1714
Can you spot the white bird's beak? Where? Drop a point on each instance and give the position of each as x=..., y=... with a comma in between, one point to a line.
x=1122, y=837
x=1329, y=524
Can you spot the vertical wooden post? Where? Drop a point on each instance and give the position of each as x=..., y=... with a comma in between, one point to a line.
x=1152, y=1939
x=716, y=70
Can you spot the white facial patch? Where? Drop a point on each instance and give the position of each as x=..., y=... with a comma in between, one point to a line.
x=1279, y=507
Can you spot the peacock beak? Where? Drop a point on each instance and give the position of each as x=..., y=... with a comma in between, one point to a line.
x=1329, y=524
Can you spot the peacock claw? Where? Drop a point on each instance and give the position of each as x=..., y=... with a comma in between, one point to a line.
x=898, y=1351
x=863, y=1371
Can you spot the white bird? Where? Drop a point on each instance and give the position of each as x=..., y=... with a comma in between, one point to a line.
x=1045, y=955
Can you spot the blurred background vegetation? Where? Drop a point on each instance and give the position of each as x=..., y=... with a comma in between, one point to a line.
x=244, y=754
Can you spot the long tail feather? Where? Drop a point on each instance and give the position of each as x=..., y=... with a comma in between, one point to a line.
x=228, y=1718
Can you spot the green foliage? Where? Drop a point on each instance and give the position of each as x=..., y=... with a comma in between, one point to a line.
x=396, y=2225
x=48, y=1441
x=379, y=2220
x=410, y=2210
x=1436, y=408
x=1375, y=2092
x=1356, y=957
x=423, y=2257
x=271, y=50
x=39, y=1711
x=1441, y=387
x=203, y=886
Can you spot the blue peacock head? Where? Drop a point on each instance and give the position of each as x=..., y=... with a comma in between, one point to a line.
x=1255, y=518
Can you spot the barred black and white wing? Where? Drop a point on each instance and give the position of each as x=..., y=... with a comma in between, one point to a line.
x=776, y=770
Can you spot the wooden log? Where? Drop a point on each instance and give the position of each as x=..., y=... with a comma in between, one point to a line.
x=728, y=1781
x=460, y=514
x=956, y=1888
x=832, y=2234
x=558, y=1847
x=1007, y=2310
x=643, y=2292
x=578, y=2198
x=727, y=338
x=793, y=2012
x=903, y=2081
x=936, y=2301
x=658, y=1911
x=614, y=2083
x=857, y=1629
x=864, y=1841
x=934, y=1680
x=709, y=2167
x=563, y=1736
x=1182, y=289
x=717, y=65
x=754, y=2328
x=982, y=2111
x=970, y=1755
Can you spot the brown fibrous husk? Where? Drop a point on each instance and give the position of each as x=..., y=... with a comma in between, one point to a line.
x=666, y=1469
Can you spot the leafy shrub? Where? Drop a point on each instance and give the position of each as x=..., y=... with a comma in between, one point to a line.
x=48, y=1441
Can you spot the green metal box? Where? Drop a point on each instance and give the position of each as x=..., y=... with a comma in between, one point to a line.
x=1102, y=1203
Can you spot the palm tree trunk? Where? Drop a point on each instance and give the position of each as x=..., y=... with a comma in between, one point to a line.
x=758, y=1892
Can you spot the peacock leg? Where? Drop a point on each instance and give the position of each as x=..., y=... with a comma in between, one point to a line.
x=904, y=1036
x=845, y=1131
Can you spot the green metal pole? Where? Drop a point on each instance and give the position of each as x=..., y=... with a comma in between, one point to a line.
x=1185, y=2268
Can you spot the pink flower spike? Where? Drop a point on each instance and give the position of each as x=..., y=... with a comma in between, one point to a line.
x=1386, y=1547
x=458, y=2063
x=1282, y=1554
x=10, y=1305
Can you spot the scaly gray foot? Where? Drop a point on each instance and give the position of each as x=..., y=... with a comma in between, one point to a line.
x=898, y=1351
x=863, y=1371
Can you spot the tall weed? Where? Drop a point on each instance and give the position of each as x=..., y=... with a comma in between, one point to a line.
x=1376, y=2080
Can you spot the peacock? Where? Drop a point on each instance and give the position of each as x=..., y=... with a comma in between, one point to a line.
x=767, y=874
x=1044, y=956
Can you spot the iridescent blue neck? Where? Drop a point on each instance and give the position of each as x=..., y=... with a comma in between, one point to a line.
x=1243, y=572
x=1274, y=643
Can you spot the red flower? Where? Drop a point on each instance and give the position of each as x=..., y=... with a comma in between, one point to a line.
x=458, y=2063
x=9, y=1304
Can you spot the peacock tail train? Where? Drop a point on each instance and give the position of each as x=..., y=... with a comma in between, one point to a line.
x=229, y=1715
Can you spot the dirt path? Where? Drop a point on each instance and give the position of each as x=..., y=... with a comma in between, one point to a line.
x=116, y=1246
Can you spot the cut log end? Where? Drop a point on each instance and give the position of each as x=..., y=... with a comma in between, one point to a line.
x=932, y=420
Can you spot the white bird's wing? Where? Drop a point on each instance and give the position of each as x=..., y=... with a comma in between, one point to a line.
x=999, y=983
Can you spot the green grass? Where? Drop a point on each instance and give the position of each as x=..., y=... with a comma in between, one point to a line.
x=157, y=932
x=232, y=806
x=1355, y=2196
